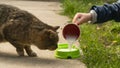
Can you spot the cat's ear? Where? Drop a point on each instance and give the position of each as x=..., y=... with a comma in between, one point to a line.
x=56, y=28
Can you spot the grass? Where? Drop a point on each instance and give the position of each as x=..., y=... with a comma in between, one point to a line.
x=100, y=43
x=72, y=7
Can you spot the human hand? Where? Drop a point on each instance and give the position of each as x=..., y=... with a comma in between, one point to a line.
x=81, y=18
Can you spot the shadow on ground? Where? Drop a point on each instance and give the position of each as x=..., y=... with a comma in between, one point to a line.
x=37, y=61
x=27, y=60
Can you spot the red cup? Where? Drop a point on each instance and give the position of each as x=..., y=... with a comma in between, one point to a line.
x=71, y=30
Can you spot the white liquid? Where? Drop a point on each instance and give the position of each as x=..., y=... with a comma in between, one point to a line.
x=66, y=50
x=71, y=40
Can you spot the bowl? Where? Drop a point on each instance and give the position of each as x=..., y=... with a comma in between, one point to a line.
x=64, y=53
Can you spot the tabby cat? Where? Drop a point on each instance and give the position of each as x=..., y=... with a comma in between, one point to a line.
x=22, y=29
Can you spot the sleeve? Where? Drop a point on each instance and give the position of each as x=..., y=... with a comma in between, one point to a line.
x=107, y=12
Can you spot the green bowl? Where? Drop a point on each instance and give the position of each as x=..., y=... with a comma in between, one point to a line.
x=64, y=53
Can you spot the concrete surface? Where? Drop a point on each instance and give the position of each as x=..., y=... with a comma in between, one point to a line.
x=48, y=13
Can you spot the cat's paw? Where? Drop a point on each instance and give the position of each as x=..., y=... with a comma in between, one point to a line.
x=21, y=53
x=33, y=54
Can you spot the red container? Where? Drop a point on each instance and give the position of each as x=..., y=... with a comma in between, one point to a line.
x=71, y=30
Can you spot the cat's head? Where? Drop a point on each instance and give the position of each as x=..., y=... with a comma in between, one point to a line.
x=47, y=38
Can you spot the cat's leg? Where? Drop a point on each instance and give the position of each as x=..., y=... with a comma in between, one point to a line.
x=20, y=51
x=30, y=52
x=19, y=48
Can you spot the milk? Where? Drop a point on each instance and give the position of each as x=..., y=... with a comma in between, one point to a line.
x=66, y=50
x=71, y=40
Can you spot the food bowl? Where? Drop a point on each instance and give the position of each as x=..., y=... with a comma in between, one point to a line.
x=64, y=53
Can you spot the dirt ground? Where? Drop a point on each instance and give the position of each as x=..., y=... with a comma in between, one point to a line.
x=48, y=13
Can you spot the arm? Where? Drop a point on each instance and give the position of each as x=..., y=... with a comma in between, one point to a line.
x=107, y=12
x=99, y=14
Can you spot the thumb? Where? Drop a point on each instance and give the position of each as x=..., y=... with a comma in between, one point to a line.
x=76, y=17
x=79, y=21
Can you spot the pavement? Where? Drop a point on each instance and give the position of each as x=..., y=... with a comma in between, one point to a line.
x=48, y=12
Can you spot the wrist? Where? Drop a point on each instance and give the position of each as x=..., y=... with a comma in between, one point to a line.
x=93, y=16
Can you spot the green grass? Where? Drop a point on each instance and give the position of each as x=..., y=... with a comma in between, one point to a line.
x=71, y=7
x=101, y=47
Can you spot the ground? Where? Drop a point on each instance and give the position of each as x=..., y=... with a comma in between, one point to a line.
x=48, y=12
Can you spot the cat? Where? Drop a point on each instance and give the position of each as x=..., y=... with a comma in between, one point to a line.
x=22, y=29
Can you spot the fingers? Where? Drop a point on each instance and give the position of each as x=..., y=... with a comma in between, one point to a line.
x=80, y=21
x=81, y=18
x=76, y=18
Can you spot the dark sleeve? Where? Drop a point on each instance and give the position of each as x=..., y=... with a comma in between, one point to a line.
x=107, y=12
